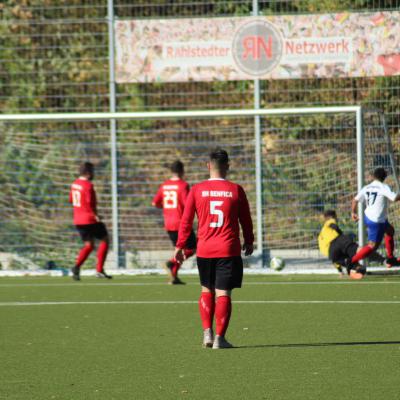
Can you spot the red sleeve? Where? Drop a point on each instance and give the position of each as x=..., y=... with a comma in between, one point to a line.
x=158, y=198
x=186, y=224
x=185, y=193
x=245, y=217
x=70, y=196
x=92, y=199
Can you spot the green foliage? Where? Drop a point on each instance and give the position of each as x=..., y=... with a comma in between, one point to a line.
x=54, y=57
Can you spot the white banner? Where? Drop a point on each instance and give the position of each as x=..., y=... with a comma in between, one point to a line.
x=272, y=47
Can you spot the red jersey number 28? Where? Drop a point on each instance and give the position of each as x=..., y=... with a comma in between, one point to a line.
x=170, y=199
x=215, y=211
x=76, y=198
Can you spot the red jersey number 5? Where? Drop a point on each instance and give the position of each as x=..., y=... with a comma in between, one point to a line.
x=215, y=211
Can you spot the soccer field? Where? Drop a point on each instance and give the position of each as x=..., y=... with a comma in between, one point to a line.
x=303, y=337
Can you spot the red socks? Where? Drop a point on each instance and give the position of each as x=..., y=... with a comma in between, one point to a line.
x=222, y=307
x=389, y=245
x=206, y=308
x=101, y=256
x=83, y=254
x=223, y=310
x=367, y=250
x=175, y=268
x=362, y=253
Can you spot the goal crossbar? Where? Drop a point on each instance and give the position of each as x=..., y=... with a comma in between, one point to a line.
x=99, y=116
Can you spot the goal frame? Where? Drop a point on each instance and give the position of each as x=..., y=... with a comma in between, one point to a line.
x=356, y=110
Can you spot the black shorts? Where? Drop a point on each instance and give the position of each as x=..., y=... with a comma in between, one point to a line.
x=92, y=231
x=190, y=243
x=225, y=273
x=341, y=248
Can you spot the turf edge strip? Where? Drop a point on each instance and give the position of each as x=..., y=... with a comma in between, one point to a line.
x=110, y=284
x=66, y=303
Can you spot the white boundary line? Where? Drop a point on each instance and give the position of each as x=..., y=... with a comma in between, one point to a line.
x=191, y=302
x=160, y=272
x=112, y=284
x=148, y=272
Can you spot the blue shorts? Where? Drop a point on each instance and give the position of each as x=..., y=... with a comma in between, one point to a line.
x=376, y=230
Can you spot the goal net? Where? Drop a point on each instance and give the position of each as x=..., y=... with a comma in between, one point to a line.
x=379, y=151
x=309, y=161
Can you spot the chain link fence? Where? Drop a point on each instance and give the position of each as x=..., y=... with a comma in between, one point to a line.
x=54, y=57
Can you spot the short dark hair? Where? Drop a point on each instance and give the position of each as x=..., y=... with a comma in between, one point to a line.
x=219, y=158
x=330, y=214
x=86, y=168
x=177, y=167
x=380, y=174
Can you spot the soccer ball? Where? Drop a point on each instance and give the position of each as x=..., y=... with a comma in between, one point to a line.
x=277, y=263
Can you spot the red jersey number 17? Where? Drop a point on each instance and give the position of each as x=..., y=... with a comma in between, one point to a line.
x=170, y=199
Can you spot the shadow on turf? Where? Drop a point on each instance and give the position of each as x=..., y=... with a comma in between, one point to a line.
x=389, y=272
x=305, y=345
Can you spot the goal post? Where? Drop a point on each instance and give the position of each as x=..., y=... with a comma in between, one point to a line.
x=355, y=112
x=360, y=172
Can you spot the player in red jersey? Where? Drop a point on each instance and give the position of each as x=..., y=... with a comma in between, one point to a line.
x=171, y=197
x=220, y=206
x=87, y=222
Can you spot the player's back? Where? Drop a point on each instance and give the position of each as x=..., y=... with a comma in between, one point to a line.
x=327, y=235
x=83, y=199
x=172, y=196
x=376, y=195
x=219, y=205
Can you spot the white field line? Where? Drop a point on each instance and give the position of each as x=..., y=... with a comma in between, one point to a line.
x=109, y=284
x=192, y=302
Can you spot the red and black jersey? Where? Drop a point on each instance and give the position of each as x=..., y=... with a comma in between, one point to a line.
x=83, y=198
x=220, y=206
x=171, y=197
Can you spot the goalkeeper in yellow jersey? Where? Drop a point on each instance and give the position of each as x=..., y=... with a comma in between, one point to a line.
x=337, y=246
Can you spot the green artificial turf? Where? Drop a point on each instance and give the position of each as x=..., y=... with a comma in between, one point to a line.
x=286, y=350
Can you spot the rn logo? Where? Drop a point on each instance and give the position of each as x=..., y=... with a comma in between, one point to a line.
x=257, y=47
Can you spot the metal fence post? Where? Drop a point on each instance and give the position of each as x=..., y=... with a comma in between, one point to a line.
x=360, y=173
x=113, y=132
x=258, y=164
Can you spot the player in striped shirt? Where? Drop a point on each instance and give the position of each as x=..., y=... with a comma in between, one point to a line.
x=221, y=207
x=171, y=197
